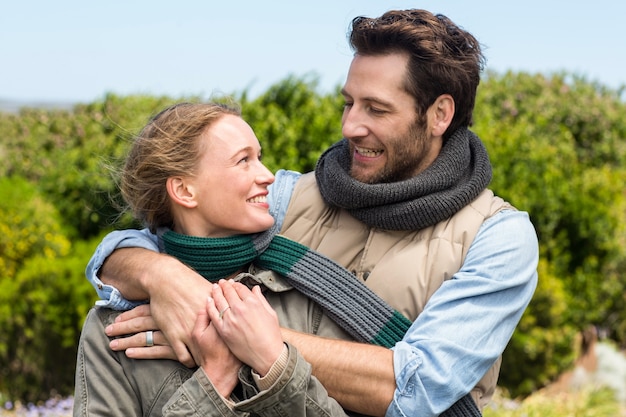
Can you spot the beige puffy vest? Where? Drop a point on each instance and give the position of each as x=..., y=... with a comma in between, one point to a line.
x=403, y=267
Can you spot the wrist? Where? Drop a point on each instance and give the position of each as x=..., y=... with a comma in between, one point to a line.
x=161, y=267
x=223, y=382
x=267, y=361
x=266, y=381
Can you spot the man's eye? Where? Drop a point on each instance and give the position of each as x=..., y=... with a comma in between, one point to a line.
x=243, y=160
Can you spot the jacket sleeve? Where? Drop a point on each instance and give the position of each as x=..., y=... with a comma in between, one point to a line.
x=295, y=393
x=99, y=376
x=198, y=397
x=110, y=384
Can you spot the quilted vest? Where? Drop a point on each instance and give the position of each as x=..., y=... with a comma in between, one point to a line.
x=403, y=267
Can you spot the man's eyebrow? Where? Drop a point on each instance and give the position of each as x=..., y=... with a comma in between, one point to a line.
x=370, y=99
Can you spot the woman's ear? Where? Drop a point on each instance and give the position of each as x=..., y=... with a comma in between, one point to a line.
x=181, y=192
x=442, y=114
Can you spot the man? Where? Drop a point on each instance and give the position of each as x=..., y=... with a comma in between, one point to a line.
x=402, y=202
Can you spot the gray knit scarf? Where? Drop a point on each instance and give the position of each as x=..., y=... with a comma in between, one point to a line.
x=461, y=171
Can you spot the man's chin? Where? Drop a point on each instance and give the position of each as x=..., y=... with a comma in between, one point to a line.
x=364, y=176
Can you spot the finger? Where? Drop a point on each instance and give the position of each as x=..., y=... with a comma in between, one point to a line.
x=123, y=343
x=159, y=338
x=139, y=311
x=258, y=293
x=218, y=297
x=212, y=310
x=154, y=352
x=132, y=325
x=231, y=295
x=243, y=292
x=202, y=322
x=137, y=341
x=183, y=355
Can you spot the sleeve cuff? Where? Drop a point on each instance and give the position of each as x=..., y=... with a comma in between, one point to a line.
x=265, y=382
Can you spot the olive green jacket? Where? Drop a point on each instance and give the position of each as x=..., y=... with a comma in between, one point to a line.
x=110, y=384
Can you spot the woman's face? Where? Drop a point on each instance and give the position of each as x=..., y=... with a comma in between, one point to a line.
x=230, y=187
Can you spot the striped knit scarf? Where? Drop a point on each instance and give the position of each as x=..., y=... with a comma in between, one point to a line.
x=346, y=300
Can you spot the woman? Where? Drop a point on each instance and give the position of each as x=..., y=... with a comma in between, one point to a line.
x=194, y=174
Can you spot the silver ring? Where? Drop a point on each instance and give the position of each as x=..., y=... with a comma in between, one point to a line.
x=223, y=311
x=149, y=338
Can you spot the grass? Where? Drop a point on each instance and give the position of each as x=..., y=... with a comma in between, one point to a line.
x=586, y=402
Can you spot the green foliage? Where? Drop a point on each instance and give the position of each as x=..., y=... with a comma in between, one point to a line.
x=294, y=123
x=588, y=402
x=558, y=147
x=29, y=226
x=68, y=153
x=43, y=295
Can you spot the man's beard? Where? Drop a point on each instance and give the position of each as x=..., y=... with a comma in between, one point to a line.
x=407, y=152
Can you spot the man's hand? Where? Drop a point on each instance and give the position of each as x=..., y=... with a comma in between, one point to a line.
x=176, y=294
x=136, y=323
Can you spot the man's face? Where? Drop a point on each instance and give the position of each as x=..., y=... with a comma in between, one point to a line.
x=387, y=142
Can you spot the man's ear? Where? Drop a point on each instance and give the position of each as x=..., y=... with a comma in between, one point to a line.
x=442, y=114
x=181, y=191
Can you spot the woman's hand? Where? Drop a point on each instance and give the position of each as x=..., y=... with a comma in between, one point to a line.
x=246, y=322
x=213, y=355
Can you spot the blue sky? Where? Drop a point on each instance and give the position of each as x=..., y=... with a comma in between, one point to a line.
x=78, y=50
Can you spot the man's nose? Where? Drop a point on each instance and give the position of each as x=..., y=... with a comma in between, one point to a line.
x=352, y=124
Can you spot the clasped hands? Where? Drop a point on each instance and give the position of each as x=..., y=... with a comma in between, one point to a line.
x=236, y=326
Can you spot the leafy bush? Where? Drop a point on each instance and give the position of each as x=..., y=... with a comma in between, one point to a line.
x=558, y=147
x=67, y=154
x=294, y=123
x=43, y=295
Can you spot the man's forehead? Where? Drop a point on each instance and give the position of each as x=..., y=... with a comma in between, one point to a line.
x=378, y=78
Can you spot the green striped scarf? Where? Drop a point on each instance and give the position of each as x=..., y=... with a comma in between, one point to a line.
x=346, y=300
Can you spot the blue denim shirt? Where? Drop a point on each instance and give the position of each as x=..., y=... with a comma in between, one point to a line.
x=463, y=329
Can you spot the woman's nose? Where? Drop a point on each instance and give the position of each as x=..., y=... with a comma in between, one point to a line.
x=265, y=176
